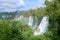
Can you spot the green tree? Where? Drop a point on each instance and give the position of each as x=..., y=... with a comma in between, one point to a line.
x=53, y=9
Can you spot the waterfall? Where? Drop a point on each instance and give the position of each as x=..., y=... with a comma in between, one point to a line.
x=35, y=23
x=42, y=26
x=30, y=23
x=20, y=17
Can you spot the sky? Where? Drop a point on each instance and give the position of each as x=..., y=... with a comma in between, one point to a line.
x=13, y=5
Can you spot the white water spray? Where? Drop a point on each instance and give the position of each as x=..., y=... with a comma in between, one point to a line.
x=30, y=21
x=42, y=26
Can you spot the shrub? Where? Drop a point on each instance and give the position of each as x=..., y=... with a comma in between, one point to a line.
x=12, y=30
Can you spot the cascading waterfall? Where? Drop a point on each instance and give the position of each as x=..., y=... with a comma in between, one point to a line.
x=21, y=17
x=41, y=29
x=30, y=23
x=42, y=26
x=35, y=23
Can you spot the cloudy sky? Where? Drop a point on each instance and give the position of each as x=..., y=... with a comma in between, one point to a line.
x=12, y=5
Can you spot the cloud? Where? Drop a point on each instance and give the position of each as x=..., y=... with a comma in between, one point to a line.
x=42, y=1
x=21, y=2
x=33, y=4
x=10, y=4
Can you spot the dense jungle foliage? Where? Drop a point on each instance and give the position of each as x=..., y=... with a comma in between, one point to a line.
x=12, y=30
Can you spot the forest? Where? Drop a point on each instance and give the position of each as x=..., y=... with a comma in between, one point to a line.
x=15, y=30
